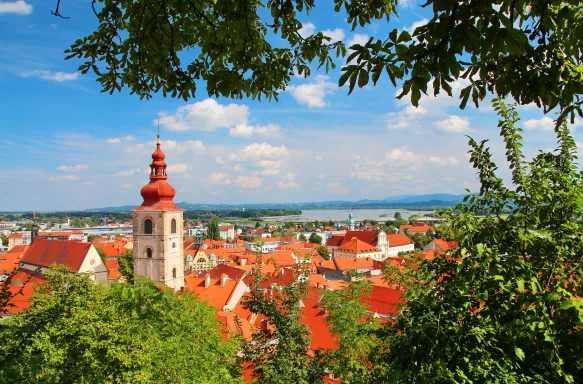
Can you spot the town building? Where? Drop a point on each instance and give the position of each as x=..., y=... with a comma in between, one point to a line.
x=20, y=238
x=389, y=245
x=356, y=248
x=441, y=245
x=416, y=228
x=158, y=229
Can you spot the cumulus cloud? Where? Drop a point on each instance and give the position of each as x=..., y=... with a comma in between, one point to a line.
x=73, y=168
x=170, y=146
x=52, y=76
x=371, y=174
x=401, y=154
x=288, y=185
x=313, y=94
x=336, y=34
x=178, y=168
x=206, y=115
x=358, y=38
x=64, y=178
x=269, y=172
x=544, y=124
x=307, y=29
x=443, y=160
x=218, y=178
x=19, y=7
x=411, y=28
x=405, y=117
x=248, y=182
x=257, y=155
x=247, y=131
x=113, y=140
x=128, y=172
x=454, y=124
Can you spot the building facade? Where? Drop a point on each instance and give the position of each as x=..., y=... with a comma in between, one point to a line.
x=158, y=229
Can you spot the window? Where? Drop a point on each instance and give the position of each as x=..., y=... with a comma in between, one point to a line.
x=173, y=226
x=201, y=260
x=174, y=273
x=149, y=253
x=148, y=227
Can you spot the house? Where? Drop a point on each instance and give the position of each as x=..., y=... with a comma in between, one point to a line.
x=79, y=257
x=227, y=232
x=16, y=239
x=417, y=228
x=356, y=248
x=389, y=244
x=441, y=245
x=75, y=234
x=223, y=293
x=9, y=261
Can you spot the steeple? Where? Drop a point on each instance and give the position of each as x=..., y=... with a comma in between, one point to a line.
x=158, y=194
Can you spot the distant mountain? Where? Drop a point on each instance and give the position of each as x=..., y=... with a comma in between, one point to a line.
x=425, y=198
x=402, y=201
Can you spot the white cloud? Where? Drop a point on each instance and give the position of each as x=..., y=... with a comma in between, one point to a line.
x=336, y=34
x=307, y=29
x=368, y=174
x=400, y=155
x=125, y=186
x=406, y=3
x=206, y=115
x=411, y=28
x=128, y=172
x=178, y=168
x=454, y=124
x=405, y=117
x=443, y=160
x=53, y=76
x=248, y=182
x=169, y=146
x=289, y=176
x=288, y=185
x=19, y=7
x=64, y=178
x=544, y=124
x=260, y=155
x=269, y=172
x=129, y=138
x=313, y=94
x=73, y=168
x=358, y=38
x=218, y=178
x=247, y=131
x=113, y=140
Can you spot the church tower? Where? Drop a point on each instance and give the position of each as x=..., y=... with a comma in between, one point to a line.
x=158, y=232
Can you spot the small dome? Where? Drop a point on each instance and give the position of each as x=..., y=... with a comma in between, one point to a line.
x=212, y=257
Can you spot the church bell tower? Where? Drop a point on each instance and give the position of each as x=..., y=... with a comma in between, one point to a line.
x=158, y=229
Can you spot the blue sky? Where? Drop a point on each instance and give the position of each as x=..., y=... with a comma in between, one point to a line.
x=67, y=146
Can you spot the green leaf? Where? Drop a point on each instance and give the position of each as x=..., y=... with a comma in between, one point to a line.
x=519, y=353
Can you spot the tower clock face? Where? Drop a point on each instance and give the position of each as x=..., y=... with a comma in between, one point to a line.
x=174, y=244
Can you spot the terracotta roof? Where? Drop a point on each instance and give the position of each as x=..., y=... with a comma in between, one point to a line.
x=398, y=239
x=315, y=318
x=441, y=244
x=417, y=228
x=9, y=262
x=234, y=324
x=20, y=249
x=281, y=258
x=225, y=227
x=384, y=301
x=16, y=236
x=335, y=241
x=61, y=252
x=111, y=264
x=22, y=287
x=328, y=264
x=216, y=295
x=232, y=272
x=369, y=237
x=298, y=246
x=357, y=246
x=55, y=234
x=114, y=275
x=349, y=263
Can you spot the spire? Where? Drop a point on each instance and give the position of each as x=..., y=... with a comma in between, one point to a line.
x=158, y=194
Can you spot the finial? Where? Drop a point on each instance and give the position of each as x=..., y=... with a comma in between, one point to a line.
x=158, y=123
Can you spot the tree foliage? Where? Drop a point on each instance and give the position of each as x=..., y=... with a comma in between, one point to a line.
x=507, y=306
x=77, y=331
x=126, y=265
x=212, y=231
x=323, y=252
x=315, y=238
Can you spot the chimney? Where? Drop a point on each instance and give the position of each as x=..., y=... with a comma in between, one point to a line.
x=317, y=284
x=243, y=261
x=264, y=325
x=207, y=280
x=224, y=278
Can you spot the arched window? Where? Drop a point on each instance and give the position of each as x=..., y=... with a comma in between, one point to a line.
x=149, y=253
x=148, y=227
x=201, y=260
x=173, y=226
x=174, y=273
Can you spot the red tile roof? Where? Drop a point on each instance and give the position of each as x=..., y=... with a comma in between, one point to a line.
x=281, y=258
x=315, y=318
x=398, y=239
x=357, y=246
x=335, y=241
x=22, y=287
x=417, y=228
x=384, y=301
x=16, y=236
x=45, y=253
x=216, y=295
x=232, y=272
x=349, y=263
x=369, y=237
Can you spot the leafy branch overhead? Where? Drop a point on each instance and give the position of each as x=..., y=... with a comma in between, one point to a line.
x=529, y=50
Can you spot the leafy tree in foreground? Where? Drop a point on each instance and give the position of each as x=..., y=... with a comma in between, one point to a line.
x=527, y=49
x=280, y=352
x=78, y=332
x=507, y=306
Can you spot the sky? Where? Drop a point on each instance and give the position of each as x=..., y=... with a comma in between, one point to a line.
x=67, y=146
